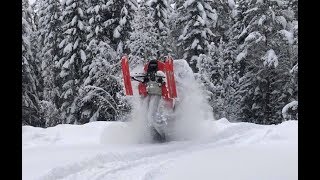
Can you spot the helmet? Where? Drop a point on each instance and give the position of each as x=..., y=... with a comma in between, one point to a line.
x=152, y=69
x=152, y=66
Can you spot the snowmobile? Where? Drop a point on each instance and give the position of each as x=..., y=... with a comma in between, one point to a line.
x=157, y=88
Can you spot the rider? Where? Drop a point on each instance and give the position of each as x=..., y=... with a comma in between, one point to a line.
x=151, y=69
x=154, y=70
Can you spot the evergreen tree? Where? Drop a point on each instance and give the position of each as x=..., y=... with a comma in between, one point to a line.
x=124, y=28
x=99, y=95
x=230, y=78
x=216, y=64
x=30, y=82
x=73, y=46
x=210, y=77
x=223, y=19
x=287, y=41
x=263, y=87
x=143, y=37
x=49, y=31
x=98, y=28
x=196, y=18
x=160, y=16
x=174, y=34
x=227, y=51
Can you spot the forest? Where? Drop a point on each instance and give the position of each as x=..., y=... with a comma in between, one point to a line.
x=244, y=54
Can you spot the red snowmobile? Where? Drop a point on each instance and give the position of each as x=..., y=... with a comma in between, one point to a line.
x=157, y=87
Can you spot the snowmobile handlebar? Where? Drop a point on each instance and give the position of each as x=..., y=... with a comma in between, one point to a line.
x=134, y=78
x=143, y=76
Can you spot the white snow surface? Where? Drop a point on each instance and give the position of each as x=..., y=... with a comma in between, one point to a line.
x=107, y=150
x=201, y=148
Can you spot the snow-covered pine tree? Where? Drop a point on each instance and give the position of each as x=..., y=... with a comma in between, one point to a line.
x=113, y=18
x=263, y=87
x=287, y=42
x=160, y=18
x=49, y=35
x=143, y=37
x=36, y=46
x=36, y=51
x=99, y=97
x=223, y=69
x=124, y=27
x=212, y=65
x=30, y=82
x=217, y=73
x=230, y=79
x=224, y=77
x=98, y=13
x=222, y=20
x=176, y=23
x=174, y=34
x=195, y=19
x=120, y=16
x=73, y=46
x=227, y=52
x=247, y=88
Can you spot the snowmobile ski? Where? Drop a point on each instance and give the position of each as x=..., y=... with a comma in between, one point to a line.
x=126, y=75
x=170, y=78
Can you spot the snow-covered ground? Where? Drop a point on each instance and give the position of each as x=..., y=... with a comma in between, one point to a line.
x=108, y=150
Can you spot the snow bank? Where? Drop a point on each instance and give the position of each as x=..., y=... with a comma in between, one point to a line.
x=63, y=134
